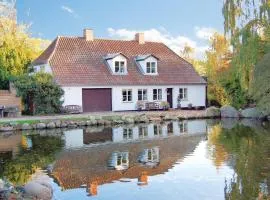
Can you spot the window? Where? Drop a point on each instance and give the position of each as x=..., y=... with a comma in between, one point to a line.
x=183, y=127
x=119, y=67
x=142, y=94
x=143, y=132
x=183, y=94
x=157, y=130
x=127, y=133
x=151, y=68
x=127, y=95
x=157, y=94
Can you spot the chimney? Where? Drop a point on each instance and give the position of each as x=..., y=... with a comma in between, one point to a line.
x=139, y=37
x=88, y=34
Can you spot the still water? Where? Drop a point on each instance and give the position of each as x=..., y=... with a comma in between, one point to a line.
x=194, y=159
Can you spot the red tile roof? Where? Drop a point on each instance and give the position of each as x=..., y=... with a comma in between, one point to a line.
x=77, y=62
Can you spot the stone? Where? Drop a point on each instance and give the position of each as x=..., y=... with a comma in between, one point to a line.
x=155, y=119
x=107, y=122
x=170, y=117
x=92, y=122
x=81, y=123
x=100, y=122
x=251, y=113
x=229, y=112
x=141, y=119
x=26, y=126
x=6, y=128
x=212, y=112
x=127, y=119
x=117, y=121
x=63, y=124
x=58, y=123
x=40, y=126
x=51, y=125
x=39, y=189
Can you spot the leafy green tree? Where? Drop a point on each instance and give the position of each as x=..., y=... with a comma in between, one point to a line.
x=17, y=49
x=246, y=23
x=261, y=84
x=40, y=93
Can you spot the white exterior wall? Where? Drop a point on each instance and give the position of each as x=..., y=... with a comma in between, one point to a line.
x=196, y=95
x=46, y=68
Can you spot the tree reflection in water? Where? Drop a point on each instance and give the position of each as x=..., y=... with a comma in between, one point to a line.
x=35, y=152
x=247, y=151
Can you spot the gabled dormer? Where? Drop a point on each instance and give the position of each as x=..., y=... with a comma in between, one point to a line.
x=148, y=64
x=117, y=63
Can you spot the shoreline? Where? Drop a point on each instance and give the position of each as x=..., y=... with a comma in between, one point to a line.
x=101, y=119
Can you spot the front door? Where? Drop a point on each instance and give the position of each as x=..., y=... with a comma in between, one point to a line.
x=170, y=96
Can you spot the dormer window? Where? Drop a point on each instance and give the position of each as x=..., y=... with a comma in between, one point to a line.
x=151, y=67
x=117, y=63
x=147, y=64
x=119, y=67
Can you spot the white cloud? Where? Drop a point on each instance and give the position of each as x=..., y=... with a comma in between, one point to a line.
x=69, y=10
x=204, y=33
x=176, y=43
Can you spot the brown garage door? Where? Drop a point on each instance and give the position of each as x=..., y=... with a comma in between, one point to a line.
x=99, y=99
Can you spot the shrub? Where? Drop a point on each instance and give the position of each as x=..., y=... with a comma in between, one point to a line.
x=40, y=93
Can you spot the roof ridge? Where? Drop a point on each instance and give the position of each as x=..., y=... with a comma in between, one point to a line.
x=108, y=39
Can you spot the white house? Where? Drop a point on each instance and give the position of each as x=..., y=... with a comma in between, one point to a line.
x=114, y=75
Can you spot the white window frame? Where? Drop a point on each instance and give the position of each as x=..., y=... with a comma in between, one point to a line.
x=158, y=95
x=122, y=68
x=183, y=94
x=143, y=95
x=129, y=133
x=183, y=127
x=152, y=68
x=125, y=97
x=157, y=130
x=143, y=131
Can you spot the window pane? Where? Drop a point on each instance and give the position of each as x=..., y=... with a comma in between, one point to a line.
x=139, y=95
x=185, y=93
x=148, y=67
x=122, y=63
x=154, y=94
x=159, y=94
x=153, y=67
x=144, y=94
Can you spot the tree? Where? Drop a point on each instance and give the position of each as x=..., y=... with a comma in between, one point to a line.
x=217, y=63
x=246, y=23
x=40, y=93
x=188, y=54
x=17, y=50
x=260, y=85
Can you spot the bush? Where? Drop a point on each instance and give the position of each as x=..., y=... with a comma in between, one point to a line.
x=41, y=95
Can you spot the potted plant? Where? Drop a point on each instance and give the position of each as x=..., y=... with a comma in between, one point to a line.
x=165, y=105
x=140, y=105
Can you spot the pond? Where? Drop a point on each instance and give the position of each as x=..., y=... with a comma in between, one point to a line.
x=193, y=159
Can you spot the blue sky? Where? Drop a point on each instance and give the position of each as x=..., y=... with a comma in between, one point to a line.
x=174, y=22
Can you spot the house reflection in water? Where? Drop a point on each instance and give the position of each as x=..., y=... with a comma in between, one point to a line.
x=143, y=179
x=118, y=161
x=126, y=152
x=92, y=188
x=149, y=157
